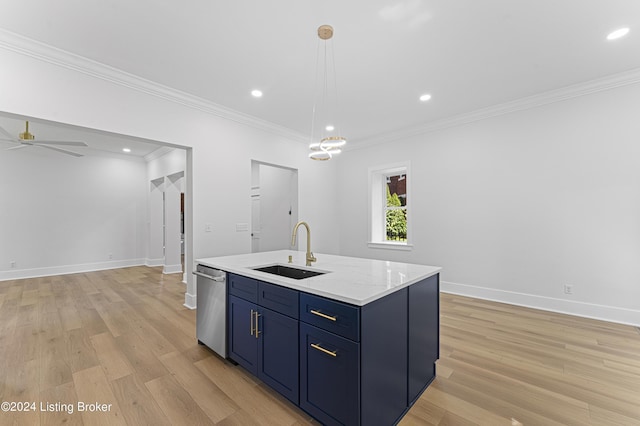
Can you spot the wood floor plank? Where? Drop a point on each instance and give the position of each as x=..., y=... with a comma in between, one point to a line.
x=137, y=404
x=113, y=360
x=176, y=403
x=57, y=406
x=423, y=412
x=96, y=402
x=53, y=371
x=178, y=338
x=456, y=403
x=154, y=341
x=143, y=361
x=70, y=317
x=91, y=321
x=27, y=314
x=25, y=346
x=111, y=313
x=81, y=354
x=213, y=401
x=257, y=404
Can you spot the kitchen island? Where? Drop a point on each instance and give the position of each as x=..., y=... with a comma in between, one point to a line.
x=350, y=341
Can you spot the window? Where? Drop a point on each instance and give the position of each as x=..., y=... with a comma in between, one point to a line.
x=389, y=211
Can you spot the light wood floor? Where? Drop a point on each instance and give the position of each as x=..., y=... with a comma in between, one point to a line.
x=122, y=337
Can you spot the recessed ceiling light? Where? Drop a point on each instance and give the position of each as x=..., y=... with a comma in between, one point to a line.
x=329, y=128
x=621, y=32
x=256, y=93
x=126, y=149
x=425, y=97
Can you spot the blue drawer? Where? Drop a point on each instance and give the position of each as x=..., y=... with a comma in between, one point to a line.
x=336, y=317
x=246, y=288
x=279, y=299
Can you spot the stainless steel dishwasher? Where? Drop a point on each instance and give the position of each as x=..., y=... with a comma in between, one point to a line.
x=211, y=315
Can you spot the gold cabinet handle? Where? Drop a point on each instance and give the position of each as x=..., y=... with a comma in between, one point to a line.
x=257, y=330
x=325, y=316
x=321, y=349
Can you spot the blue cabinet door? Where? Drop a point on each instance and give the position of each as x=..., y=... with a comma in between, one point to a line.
x=242, y=342
x=329, y=376
x=424, y=334
x=278, y=353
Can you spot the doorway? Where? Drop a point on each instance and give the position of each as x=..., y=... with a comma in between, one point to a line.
x=274, y=206
x=166, y=223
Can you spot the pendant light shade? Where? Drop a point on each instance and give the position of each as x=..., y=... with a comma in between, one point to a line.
x=325, y=139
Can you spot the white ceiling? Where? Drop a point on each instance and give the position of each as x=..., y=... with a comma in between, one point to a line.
x=467, y=54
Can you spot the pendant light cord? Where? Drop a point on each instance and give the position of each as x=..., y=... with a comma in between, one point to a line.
x=315, y=88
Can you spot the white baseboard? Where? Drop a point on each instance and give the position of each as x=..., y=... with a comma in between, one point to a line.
x=154, y=262
x=68, y=269
x=172, y=269
x=570, y=307
x=190, y=301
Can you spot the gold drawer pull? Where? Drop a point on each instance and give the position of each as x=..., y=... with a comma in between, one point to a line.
x=320, y=314
x=321, y=349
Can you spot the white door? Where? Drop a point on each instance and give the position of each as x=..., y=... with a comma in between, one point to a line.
x=274, y=208
x=255, y=220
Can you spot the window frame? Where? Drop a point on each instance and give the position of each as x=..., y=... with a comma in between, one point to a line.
x=378, y=205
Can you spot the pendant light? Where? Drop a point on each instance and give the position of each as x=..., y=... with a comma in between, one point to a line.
x=328, y=143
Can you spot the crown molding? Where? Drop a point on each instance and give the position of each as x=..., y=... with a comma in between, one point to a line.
x=573, y=91
x=47, y=53
x=62, y=58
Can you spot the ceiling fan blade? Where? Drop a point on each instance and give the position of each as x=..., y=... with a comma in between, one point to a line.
x=68, y=143
x=64, y=151
x=4, y=135
x=22, y=145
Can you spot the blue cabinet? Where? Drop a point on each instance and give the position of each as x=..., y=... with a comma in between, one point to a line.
x=261, y=340
x=343, y=364
x=242, y=343
x=278, y=352
x=329, y=372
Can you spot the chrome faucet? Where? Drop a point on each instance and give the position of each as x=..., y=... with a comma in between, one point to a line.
x=310, y=256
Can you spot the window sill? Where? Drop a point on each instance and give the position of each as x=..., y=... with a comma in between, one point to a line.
x=391, y=246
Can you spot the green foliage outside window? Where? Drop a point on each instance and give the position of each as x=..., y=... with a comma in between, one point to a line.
x=396, y=218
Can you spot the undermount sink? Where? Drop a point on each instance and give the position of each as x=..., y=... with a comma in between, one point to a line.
x=288, y=271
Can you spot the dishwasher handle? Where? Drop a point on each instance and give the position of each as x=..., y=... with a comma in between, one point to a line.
x=211, y=277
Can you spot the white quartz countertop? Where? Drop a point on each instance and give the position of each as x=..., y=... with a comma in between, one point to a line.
x=348, y=279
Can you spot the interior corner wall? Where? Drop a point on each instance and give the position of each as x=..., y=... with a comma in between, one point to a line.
x=517, y=206
x=174, y=161
x=63, y=214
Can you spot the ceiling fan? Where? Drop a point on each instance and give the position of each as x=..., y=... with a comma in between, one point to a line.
x=26, y=139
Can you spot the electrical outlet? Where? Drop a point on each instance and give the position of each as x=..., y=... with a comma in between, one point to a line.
x=568, y=289
x=110, y=255
x=12, y=263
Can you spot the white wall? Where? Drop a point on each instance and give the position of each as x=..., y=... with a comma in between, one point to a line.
x=219, y=165
x=65, y=214
x=514, y=207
